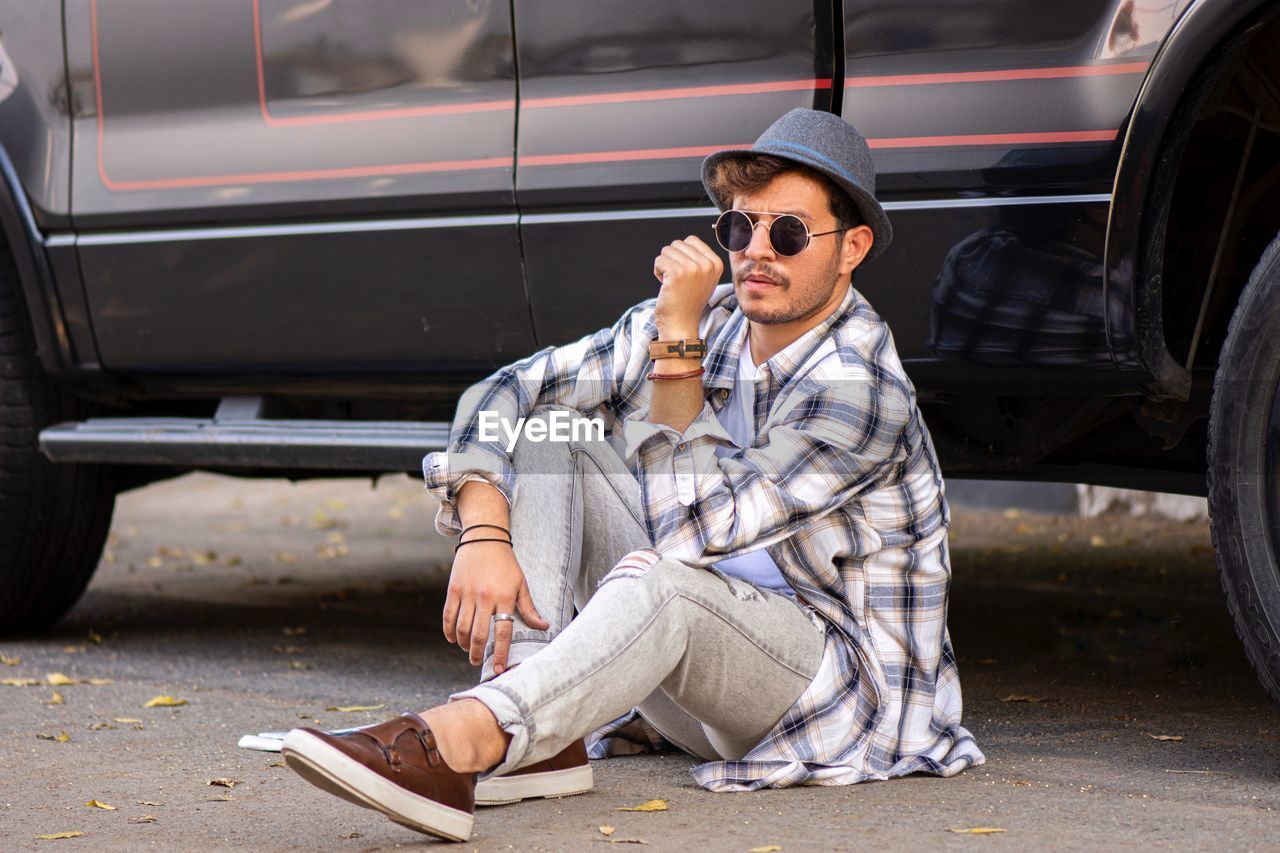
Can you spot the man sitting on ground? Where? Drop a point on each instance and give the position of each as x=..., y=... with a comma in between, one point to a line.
x=757, y=554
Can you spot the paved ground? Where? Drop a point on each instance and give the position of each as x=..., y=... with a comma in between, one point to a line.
x=263, y=603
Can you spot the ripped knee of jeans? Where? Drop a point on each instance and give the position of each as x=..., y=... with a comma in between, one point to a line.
x=741, y=589
x=634, y=564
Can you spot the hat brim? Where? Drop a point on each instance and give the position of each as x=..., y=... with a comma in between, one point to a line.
x=873, y=214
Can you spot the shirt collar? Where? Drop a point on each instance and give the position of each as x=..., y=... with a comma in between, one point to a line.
x=721, y=360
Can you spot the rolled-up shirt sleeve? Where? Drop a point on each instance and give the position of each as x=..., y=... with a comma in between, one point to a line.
x=834, y=441
x=582, y=375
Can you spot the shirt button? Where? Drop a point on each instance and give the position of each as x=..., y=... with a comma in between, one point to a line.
x=680, y=446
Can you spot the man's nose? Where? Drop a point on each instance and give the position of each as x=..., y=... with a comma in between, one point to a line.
x=760, y=247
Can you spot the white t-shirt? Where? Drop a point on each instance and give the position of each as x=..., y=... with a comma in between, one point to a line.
x=737, y=415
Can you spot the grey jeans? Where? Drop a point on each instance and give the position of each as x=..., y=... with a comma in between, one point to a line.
x=712, y=662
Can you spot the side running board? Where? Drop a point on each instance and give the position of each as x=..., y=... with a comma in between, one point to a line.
x=237, y=437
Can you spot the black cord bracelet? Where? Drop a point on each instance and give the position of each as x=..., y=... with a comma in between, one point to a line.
x=474, y=526
x=469, y=541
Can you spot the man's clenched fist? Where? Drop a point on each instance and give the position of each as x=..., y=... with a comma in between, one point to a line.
x=689, y=270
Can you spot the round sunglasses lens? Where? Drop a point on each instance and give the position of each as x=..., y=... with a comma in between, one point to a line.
x=733, y=230
x=788, y=235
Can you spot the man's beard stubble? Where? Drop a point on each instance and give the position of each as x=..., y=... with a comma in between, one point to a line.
x=806, y=302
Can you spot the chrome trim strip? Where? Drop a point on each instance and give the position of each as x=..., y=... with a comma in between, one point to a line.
x=611, y=215
x=696, y=212
x=996, y=201
x=111, y=238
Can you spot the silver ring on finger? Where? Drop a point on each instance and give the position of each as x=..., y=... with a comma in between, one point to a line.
x=503, y=617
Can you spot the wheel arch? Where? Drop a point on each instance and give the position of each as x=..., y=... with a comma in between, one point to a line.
x=1191, y=61
x=22, y=235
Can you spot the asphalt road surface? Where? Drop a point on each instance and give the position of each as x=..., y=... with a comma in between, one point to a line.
x=1101, y=677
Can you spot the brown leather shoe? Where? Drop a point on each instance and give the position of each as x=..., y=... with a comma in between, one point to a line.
x=393, y=767
x=560, y=775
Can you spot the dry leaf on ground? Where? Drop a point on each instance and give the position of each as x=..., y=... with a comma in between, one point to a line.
x=8, y=661
x=605, y=829
x=19, y=682
x=56, y=699
x=300, y=631
x=125, y=720
x=56, y=835
x=98, y=804
x=351, y=834
x=225, y=783
x=1022, y=697
x=980, y=830
x=348, y=708
x=148, y=803
x=220, y=798
x=146, y=818
x=768, y=848
x=647, y=806
x=164, y=702
x=57, y=679
x=1164, y=737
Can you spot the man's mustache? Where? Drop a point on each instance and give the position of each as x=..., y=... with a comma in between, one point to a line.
x=758, y=271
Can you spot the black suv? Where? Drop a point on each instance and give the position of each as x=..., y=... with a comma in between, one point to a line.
x=283, y=236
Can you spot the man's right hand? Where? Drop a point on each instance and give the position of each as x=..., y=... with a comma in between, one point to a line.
x=486, y=579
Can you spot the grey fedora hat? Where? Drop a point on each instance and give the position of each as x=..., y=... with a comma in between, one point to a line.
x=825, y=143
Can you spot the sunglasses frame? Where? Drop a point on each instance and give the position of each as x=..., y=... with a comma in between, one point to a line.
x=809, y=235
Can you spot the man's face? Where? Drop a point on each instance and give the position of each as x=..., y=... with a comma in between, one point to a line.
x=773, y=288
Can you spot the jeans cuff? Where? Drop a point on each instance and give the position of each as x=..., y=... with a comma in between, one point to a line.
x=521, y=649
x=513, y=718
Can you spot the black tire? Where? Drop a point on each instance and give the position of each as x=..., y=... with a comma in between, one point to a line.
x=1244, y=469
x=53, y=518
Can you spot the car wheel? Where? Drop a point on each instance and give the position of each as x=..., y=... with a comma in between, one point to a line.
x=53, y=518
x=1244, y=468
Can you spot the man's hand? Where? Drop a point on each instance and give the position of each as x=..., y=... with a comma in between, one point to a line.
x=689, y=270
x=486, y=579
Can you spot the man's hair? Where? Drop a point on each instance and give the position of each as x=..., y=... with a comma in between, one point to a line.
x=745, y=174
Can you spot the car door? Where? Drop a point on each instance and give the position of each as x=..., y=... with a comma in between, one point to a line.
x=296, y=186
x=996, y=130
x=619, y=103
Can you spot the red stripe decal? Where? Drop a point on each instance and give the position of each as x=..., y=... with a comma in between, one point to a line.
x=308, y=174
x=996, y=76
x=993, y=139
x=630, y=155
x=679, y=93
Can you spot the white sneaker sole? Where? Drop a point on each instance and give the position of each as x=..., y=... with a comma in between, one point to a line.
x=331, y=770
x=500, y=790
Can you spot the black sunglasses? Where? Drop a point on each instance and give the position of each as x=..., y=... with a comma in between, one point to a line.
x=787, y=233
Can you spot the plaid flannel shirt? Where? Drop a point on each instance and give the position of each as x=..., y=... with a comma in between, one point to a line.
x=842, y=487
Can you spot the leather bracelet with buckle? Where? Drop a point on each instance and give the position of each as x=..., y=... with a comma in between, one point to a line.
x=683, y=348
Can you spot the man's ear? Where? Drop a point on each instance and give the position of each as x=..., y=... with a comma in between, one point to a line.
x=854, y=247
